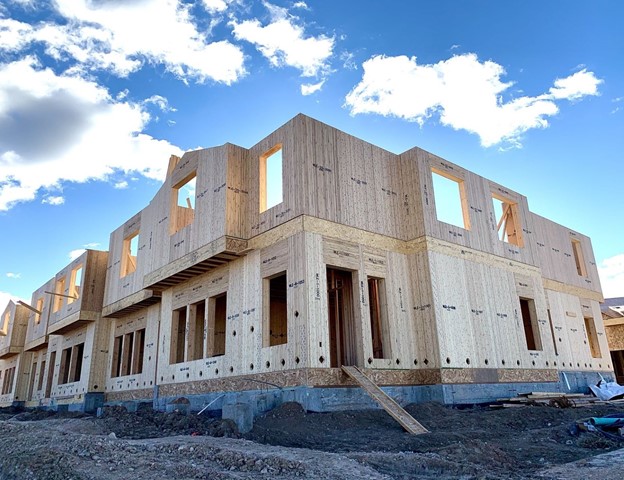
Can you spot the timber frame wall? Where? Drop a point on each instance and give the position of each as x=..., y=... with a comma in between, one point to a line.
x=226, y=286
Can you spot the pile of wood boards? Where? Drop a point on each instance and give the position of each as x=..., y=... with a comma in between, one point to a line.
x=552, y=399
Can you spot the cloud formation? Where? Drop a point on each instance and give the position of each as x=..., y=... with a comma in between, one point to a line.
x=118, y=37
x=13, y=275
x=463, y=92
x=284, y=42
x=63, y=128
x=611, y=271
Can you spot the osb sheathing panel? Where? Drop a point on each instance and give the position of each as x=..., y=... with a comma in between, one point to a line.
x=615, y=337
x=38, y=324
x=88, y=305
x=18, y=389
x=13, y=339
x=567, y=314
x=149, y=319
x=130, y=395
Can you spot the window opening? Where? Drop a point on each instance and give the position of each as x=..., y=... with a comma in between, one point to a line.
x=65, y=366
x=116, y=365
x=76, y=281
x=50, y=378
x=552, y=332
x=508, y=220
x=592, y=337
x=378, y=317
x=196, y=330
x=126, y=353
x=529, y=321
x=59, y=294
x=129, y=254
x=7, y=385
x=31, y=385
x=5, y=323
x=41, y=375
x=275, y=311
x=40, y=309
x=182, y=204
x=76, y=362
x=139, y=350
x=450, y=199
x=178, y=331
x=217, y=315
x=577, y=249
x=271, y=175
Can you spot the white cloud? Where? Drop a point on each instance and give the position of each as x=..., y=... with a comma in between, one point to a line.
x=465, y=93
x=215, y=5
x=120, y=36
x=51, y=131
x=161, y=102
x=74, y=254
x=611, y=271
x=91, y=245
x=14, y=275
x=121, y=185
x=284, y=42
x=301, y=5
x=310, y=88
x=53, y=200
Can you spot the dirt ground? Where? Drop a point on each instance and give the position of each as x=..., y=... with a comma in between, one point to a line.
x=467, y=443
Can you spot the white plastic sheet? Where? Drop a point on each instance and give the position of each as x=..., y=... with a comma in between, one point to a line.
x=607, y=390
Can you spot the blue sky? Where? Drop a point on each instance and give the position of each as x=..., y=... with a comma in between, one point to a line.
x=96, y=94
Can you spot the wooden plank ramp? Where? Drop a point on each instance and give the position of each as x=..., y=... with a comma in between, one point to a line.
x=409, y=423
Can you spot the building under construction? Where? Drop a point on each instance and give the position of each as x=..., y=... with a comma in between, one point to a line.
x=255, y=274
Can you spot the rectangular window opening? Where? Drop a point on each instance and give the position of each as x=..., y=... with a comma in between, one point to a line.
x=275, y=312
x=41, y=375
x=126, y=353
x=577, y=249
x=5, y=323
x=182, y=204
x=76, y=362
x=451, y=203
x=65, y=366
x=39, y=308
x=592, y=337
x=75, y=282
x=217, y=317
x=378, y=317
x=552, y=332
x=31, y=383
x=271, y=178
x=508, y=224
x=130, y=250
x=116, y=364
x=59, y=294
x=139, y=351
x=529, y=321
x=178, y=333
x=196, y=330
x=50, y=377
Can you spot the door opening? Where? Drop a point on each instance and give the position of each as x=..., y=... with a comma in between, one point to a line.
x=342, y=331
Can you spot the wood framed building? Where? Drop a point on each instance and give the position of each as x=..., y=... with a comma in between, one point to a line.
x=67, y=338
x=14, y=362
x=314, y=249
x=273, y=266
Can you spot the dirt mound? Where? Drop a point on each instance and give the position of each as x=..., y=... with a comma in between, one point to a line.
x=146, y=423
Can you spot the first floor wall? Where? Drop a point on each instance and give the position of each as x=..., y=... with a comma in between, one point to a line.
x=14, y=376
x=311, y=301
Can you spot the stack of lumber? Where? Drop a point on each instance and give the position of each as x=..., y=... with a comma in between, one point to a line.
x=553, y=399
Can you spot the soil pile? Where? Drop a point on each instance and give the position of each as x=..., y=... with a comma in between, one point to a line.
x=468, y=443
